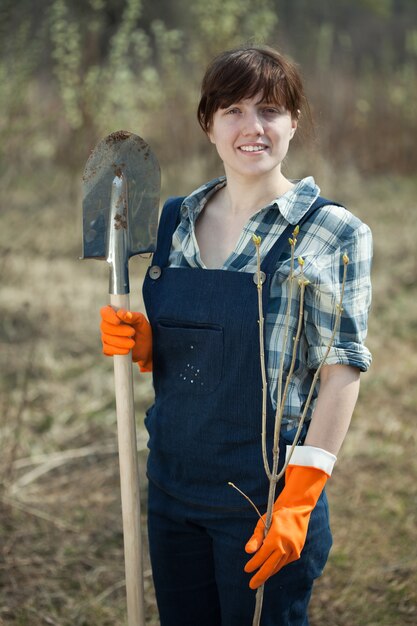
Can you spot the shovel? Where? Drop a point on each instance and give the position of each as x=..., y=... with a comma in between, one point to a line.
x=121, y=186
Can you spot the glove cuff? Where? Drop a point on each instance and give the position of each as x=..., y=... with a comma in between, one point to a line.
x=310, y=456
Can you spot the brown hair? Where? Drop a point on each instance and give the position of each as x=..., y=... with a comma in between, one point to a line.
x=242, y=73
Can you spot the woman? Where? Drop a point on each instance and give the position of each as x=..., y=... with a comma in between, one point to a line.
x=202, y=302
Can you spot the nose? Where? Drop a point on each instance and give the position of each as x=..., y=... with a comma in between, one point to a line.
x=252, y=124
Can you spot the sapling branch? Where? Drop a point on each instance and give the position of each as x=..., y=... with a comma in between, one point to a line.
x=280, y=409
x=249, y=500
x=302, y=282
x=257, y=241
x=339, y=311
x=278, y=415
x=273, y=479
x=274, y=476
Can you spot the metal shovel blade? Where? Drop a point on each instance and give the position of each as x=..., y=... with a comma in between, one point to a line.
x=121, y=154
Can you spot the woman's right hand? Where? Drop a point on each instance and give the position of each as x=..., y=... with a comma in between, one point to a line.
x=124, y=331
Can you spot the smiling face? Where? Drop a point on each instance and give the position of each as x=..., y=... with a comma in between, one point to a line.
x=252, y=136
x=250, y=103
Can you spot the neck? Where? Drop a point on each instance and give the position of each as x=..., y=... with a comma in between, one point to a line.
x=247, y=195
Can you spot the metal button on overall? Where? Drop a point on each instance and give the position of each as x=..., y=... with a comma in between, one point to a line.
x=154, y=272
x=262, y=277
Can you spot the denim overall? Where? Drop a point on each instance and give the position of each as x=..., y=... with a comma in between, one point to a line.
x=204, y=431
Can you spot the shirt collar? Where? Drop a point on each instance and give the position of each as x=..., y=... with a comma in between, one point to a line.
x=292, y=205
x=194, y=203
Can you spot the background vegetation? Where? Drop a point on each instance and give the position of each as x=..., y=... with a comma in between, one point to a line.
x=70, y=73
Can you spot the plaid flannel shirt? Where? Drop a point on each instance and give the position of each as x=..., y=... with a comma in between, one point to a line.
x=322, y=243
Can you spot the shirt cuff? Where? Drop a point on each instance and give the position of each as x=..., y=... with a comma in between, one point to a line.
x=310, y=456
x=354, y=354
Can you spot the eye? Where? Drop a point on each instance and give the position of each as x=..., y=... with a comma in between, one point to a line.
x=232, y=111
x=272, y=110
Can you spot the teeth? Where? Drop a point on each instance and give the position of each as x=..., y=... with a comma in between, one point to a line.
x=252, y=148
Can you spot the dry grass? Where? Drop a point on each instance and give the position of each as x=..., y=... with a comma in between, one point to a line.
x=61, y=557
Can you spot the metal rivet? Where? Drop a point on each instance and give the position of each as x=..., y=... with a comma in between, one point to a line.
x=262, y=276
x=155, y=272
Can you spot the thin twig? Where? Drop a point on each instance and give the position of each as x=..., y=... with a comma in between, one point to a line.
x=257, y=241
x=248, y=499
x=37, y=513
x=107, y=592
x=64, y=455
x=280, y=407
x=295, y=346
x=278, y=413
x=339, y=311
x=57, y=460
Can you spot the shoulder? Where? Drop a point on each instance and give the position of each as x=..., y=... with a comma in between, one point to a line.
x=328, y=218
x=337, y=225
x=173, y=203
x=192, y=203
x=202, y=193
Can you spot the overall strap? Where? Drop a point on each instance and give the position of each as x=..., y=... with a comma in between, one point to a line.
x=270, y=261
x=168, y=222
x=320, y=202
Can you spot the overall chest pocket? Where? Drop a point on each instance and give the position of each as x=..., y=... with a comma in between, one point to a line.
x=188, y=357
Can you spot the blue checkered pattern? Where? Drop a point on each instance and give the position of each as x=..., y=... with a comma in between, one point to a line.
x=322, y=242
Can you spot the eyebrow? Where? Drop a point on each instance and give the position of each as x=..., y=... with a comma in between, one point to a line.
x=259, y=102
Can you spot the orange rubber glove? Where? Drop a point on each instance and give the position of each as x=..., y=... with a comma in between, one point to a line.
x=291, y=515
x=124, y=331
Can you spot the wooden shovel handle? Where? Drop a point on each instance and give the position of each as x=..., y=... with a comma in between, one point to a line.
x=129, y=480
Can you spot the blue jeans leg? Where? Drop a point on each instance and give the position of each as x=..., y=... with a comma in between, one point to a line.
x=182, y=564
x=198, y=558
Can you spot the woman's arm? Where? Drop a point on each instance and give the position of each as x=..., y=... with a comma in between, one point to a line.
x=304, y=479
x=339, y=388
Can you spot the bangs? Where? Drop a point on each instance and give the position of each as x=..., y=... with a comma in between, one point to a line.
x=237, y=75
x=243, y=81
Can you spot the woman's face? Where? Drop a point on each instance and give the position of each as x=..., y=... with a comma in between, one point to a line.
x=252, y=137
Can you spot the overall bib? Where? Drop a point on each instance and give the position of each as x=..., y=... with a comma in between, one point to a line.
x=204, y=431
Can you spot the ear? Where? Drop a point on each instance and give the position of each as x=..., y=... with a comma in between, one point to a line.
x=294, y=124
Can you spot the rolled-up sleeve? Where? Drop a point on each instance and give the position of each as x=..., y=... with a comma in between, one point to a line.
x=322, y=299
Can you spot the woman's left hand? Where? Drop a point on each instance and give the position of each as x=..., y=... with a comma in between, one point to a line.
x=287, y=534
